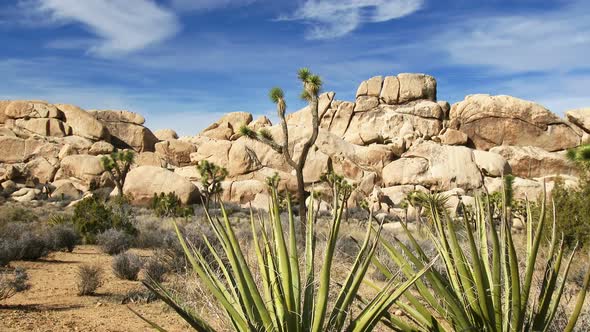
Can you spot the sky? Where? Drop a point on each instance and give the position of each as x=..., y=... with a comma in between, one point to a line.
x=183, y=63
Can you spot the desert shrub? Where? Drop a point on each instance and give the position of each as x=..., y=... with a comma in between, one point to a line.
x=139, y=296
x=155, y=269
x=573, y=211
x=89, y=279
x=92, y=217
x=13, y=282
x=169, y=205
x=114, y=241
x=12, y=214
x=194, y=233
x=127, y=265
x=149, y=235
x=33, y=246
x=8, y=251
x=63, y=237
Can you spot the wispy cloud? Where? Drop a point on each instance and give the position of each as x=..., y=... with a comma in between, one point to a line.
x=197, y=5
x=122, y=27
x=535, y=42
x=336, y=18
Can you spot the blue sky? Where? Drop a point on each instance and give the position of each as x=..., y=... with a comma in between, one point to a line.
x=182, y=63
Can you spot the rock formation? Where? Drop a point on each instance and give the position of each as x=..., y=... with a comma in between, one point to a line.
x=396, y=135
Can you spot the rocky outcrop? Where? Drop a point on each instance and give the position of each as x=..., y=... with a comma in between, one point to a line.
x=176, y=152
x=490, y=121
x=145, y=181
x=395, y=135
x=127, y=130
x=532, y=162
x=83, y=123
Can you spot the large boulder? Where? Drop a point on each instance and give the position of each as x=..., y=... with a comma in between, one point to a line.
x=228, y=126
x=23, y=109
x=165, y=134
x=439, y=167
x=128, y=135
x=149, y=159
x=42, y=126
x=504, y=120
x=118, y=116
x=176, y=152
x=3, y=105
x=491, y=164
x=86, y=168
x=41, y=170
x=101, y=147
x=415, y=87
x=13, y=149
x=580, y=117
x=83, y=123
x=453, y=137
x=387, y=122
x=530, y=161
x=143, y=182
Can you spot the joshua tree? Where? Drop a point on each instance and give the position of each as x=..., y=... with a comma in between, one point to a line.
x=211, y=177
x=312, y=85
x=118, y=164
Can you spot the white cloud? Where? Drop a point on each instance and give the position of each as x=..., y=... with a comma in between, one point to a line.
x=548, y=41
x=208, y=4
x=122, y=26
x=336, y=18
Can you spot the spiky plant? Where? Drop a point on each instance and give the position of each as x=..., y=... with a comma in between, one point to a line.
x=481, y=285
x=211, y=177
x=312, y=85
x=282, y=302
x=118, y=165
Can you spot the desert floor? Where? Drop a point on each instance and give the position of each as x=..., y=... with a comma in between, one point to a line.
x=51, y=304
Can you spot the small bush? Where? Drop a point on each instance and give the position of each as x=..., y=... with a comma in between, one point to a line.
x=89, y=279
x=8, y=252
x=127, y=265
x=32, y=246
x=169, y=205
x=64, y=237
x=12, y=283
x=92, y=217
x=149, y=235
x=114, y=241
x=155, y=270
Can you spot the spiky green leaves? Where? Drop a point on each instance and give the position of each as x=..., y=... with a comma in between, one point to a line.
x=312, y=83
x=580, y=154
x=276, y=94
x=248, y=132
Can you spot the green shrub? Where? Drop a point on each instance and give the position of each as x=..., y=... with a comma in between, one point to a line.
x=169, y=205
x=92, y=217
x=11, y=214
x=572, y=206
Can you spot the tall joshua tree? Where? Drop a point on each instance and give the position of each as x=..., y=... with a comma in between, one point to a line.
x=118, y=165
x=312, y=84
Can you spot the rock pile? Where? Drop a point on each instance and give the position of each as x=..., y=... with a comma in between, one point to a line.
x=395, y=135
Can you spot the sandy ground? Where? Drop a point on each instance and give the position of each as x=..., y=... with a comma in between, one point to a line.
x=51, y=304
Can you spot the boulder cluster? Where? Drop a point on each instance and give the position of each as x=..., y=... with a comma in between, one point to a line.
x=396, y=135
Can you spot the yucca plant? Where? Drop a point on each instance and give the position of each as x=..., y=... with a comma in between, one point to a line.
x=481, y=285
x=281, y=301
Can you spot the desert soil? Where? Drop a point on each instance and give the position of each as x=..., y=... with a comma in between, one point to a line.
x=51, y=304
